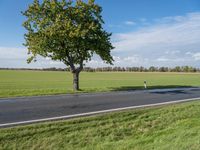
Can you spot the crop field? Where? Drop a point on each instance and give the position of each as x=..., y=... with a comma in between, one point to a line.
x=27, y=83
x=175, y=126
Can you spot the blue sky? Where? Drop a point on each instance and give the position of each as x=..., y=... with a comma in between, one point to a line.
x=145, y=33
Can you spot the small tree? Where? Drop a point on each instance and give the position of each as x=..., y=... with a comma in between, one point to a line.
x=68, y=31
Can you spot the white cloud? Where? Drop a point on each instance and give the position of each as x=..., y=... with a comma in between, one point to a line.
x=174, y=35
x=16, y=57
x=196, y=56
x=12, y=53
x=129, y=23
x=162, y=59
x=172, y=52
x=122, y=25
x=143, y=19
x=188, y=53
x=166, y=42
x=165, y=59
x=128, y=61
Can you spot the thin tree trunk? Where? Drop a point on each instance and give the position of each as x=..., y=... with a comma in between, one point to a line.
x=76, y=81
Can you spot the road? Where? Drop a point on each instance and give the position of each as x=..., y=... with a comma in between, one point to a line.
x=15, y=111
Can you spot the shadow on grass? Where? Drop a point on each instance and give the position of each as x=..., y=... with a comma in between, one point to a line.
x=132, y=88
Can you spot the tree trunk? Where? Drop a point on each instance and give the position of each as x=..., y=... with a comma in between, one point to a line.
x=76, y=80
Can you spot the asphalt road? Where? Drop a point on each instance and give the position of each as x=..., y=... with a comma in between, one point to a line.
x=15, y=111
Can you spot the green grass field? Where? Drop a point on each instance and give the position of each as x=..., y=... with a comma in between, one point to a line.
x=28, y=83
x=166, y=127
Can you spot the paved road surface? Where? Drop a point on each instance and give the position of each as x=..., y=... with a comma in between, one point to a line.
x=21, y=110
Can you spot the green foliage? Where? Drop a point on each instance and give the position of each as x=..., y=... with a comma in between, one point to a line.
x=168, y=127
x=68, y=31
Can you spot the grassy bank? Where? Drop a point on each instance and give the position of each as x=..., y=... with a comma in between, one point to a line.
x=27, y=83
x=167, y=127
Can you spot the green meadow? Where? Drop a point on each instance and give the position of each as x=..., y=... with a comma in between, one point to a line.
x=28, y=83
x=174, y=126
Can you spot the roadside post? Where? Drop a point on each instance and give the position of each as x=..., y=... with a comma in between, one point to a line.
x=145, y=84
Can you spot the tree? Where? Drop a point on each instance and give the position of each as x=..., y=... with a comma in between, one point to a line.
x=67, y=31
x=152, y=69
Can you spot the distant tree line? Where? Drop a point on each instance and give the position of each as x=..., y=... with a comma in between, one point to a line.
x=143, y=69
x=119, y=69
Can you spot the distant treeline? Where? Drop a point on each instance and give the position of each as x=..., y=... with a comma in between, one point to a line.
x=119, y=69
x=150, y=69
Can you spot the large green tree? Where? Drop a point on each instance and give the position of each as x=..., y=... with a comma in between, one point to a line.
x=67, y=31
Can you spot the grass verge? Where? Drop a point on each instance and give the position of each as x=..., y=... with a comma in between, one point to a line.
x=174, y=126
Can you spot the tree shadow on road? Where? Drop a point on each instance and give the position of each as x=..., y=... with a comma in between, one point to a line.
x=133, y=88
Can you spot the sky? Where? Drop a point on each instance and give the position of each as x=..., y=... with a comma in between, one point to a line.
x=144, y=33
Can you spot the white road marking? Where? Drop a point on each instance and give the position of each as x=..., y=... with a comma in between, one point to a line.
x=94, y=112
